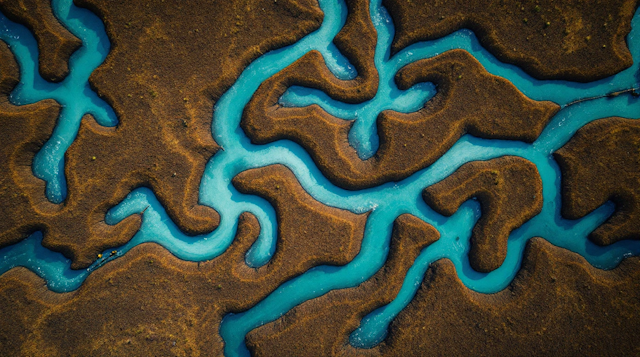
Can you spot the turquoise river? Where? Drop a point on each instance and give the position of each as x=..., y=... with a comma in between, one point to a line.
x=581, y=103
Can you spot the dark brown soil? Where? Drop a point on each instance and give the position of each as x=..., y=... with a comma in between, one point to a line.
x=332, y=231
x=323, y=325
x=144, y=302
x=170, y=62
x=469, y=100
x=558, y=305
x=151, y=303
x=55, y=42
x=509, y=190
x=601, y=163
x=357, y=41
x=160, y=52
x=575, y=40
x=23, y=206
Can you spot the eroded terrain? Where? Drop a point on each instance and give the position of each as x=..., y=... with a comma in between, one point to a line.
x=322, y=244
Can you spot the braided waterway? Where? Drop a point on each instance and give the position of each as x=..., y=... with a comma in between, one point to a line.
x=385, y=202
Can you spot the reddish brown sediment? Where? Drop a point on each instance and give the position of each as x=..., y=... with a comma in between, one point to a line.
x=332, y=231
x=469, y=100
x=151, y=303
x=557, y=305
x=509, y=190
x=140, y=304
x=24, y=300
x=55, y=42
x=23, y=206
x=170, y=62
x=204, y=45
x=574, y=40
x=601, y=162
x=321, y=327
x=167, y=65
x=357, y=41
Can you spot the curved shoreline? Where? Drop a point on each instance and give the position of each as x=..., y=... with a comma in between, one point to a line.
x=239, y=155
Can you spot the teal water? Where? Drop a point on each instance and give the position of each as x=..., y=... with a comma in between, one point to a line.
x=363, y=134
x=384, y=202
x=73, y=94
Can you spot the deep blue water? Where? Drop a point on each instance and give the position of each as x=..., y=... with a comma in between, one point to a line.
x=385, y=202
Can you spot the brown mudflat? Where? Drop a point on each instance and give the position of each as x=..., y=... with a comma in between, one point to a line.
x=509, y=190
x=24, y=207
x=469, y=100
x=557, y=305
x=601, y=163
x=332, y=231
x=357, y=42
x=151, y=303
x=323, y=325
x=170, y=62
x=166, y=67
x=55, y=42
x=574, y=40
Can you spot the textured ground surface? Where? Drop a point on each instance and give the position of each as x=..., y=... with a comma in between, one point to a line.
x=55, y=43
x=557, y=305
x=469, y=100
x=162, y=77
x=576, y=40
x=167, y=67
x=510, y=193
x=154, y=303
x=601, y=163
